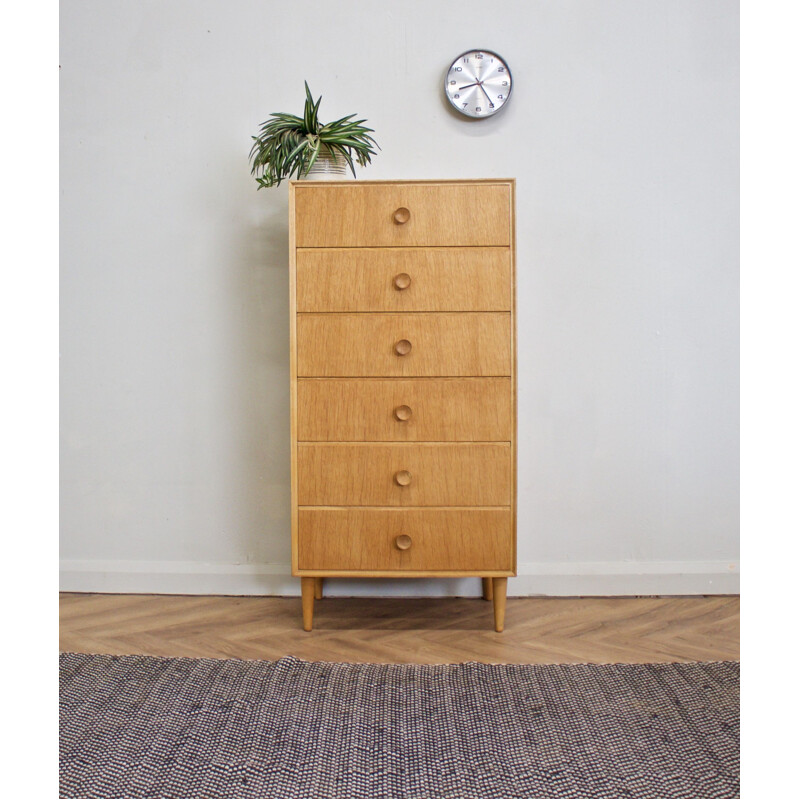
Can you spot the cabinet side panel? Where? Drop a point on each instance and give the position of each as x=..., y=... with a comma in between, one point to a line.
x=513, y=241
x=293, y=371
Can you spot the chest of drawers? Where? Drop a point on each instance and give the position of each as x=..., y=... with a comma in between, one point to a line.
x=403, y=382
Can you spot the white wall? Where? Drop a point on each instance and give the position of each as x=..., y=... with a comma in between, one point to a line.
x=622, y=133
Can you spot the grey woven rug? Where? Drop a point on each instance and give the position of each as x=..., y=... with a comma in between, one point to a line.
x=135, y=726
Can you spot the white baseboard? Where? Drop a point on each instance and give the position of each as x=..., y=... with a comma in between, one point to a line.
x=596, y=578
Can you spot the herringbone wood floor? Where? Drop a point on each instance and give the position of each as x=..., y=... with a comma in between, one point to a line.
x=427, y=631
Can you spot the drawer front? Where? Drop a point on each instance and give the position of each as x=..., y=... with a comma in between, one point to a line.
x=402, y=214
x=436, y=539
x=404, y=279
x=404, y=474
x=403, y=345
x=399, y=410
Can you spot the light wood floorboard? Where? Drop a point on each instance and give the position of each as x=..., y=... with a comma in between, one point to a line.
x=394, y=630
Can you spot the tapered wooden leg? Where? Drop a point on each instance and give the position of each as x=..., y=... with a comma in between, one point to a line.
x=318, y=588
x=307, y=589
x=487, y=588
x=499, y=596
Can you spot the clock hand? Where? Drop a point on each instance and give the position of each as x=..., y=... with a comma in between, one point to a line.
x=485, y=92
x=467, y=86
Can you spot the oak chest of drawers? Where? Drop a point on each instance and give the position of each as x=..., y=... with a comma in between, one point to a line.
x=403, y=382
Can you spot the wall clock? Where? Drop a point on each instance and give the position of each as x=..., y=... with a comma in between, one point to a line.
x=478, y=83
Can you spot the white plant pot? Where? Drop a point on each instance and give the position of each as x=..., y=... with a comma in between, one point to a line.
x=329, y=166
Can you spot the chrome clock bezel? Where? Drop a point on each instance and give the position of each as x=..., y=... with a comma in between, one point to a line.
x=469, y=109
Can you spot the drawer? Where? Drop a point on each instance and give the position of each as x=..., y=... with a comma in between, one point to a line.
x=435, y=539
x=400, y=410
x=403, y=474
x=404, y=279
x=404, y=345
x=402, y=214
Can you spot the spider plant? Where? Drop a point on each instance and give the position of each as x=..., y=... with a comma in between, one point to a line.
x=289, y=146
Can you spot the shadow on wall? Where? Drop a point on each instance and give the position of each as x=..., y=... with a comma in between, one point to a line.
x=262, y=376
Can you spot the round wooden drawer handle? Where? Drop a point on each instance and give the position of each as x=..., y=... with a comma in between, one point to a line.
x=402, y=413
x=403, y=347
x=402, y=478
x=402, y=542
x=401, y=216
x=402, y=281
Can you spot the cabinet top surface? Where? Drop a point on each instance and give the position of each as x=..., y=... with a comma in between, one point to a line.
x=305, y=184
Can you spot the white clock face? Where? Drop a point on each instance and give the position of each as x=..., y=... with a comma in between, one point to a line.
x=478, y=83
